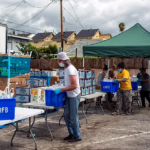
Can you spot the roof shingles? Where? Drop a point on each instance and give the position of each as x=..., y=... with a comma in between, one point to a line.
x=87, y=33
x=41, y=36
x=65, y=35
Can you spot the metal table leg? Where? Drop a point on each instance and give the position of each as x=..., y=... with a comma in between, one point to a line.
x=29, y=132
x=30, y=129
x=61, y=118
x=17, y=129
x=33, y=121
x=88, y=107
x=101, y=106
x=84, y=111
x=47, y=125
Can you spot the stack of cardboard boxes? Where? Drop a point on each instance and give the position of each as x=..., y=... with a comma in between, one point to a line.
x=87, y=82
x=28, y=94
x=18, y=81
x=50, y=76
x=61, y=76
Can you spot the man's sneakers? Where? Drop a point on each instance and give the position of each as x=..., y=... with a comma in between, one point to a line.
x=72, y=139
x=69, y=137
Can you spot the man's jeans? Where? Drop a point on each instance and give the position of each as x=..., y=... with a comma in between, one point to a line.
x=71, y=116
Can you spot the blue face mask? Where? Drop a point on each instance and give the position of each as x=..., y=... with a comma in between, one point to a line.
x=119, y=70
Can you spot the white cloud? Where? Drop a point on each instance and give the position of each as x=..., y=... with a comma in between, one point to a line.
x=102, y=14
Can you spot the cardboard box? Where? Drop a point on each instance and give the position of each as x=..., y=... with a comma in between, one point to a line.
x=54, y=79
x=35, y=82
x=35, y=95
x=22, y=99
x=88, y=74
x=82, y=74
x=61, y=73
x=94, y=89
x=23, y=81
x=23, y=91
x=62, y=81
x=20, y=105
x=42, y=99
x=93, y=82
x=37, y=73
x=91, y=89
x=82, y=83
x=87, y=91
x=83, y=91
x=93, y=74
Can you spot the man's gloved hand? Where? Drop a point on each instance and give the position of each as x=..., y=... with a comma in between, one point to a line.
x=57, y=91
x=115, y=81
x=139, y=80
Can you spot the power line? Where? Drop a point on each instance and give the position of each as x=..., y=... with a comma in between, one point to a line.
x=10, y=5
x=98, y=10
x=34, y=16
x=33, y=5
x=64, y=20
x=12, y=10
x=71, y=15
x=84, y=8
x=76, y=14
x=18, y=30
x=23, y=25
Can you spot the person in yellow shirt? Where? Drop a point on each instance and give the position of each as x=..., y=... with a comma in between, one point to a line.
x=124, y=95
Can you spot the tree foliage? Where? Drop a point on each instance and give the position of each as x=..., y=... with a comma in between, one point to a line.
x=121, y=27
x=37, y=53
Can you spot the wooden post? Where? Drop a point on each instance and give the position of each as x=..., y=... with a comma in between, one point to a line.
x=76, y=53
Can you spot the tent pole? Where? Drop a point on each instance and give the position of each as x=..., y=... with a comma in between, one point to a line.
x=108, y=63
x=83, y=61
x=149, y=66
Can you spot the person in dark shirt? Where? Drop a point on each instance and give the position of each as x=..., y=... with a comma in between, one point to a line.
x=145, y=87
x=139, y=76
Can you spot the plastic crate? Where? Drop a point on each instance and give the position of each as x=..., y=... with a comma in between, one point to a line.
x=109, y=87
x=18, y=66
x=55, y=100
x=7, y=109
x=134, y=85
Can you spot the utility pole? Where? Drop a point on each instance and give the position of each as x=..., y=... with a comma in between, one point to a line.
x=61, y=16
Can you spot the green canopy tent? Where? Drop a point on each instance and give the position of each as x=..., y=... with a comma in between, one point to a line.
x=132, y=43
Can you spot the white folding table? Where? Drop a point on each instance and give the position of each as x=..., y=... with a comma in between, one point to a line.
x=94, y=96
x=46, y=109
x=23, y=113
